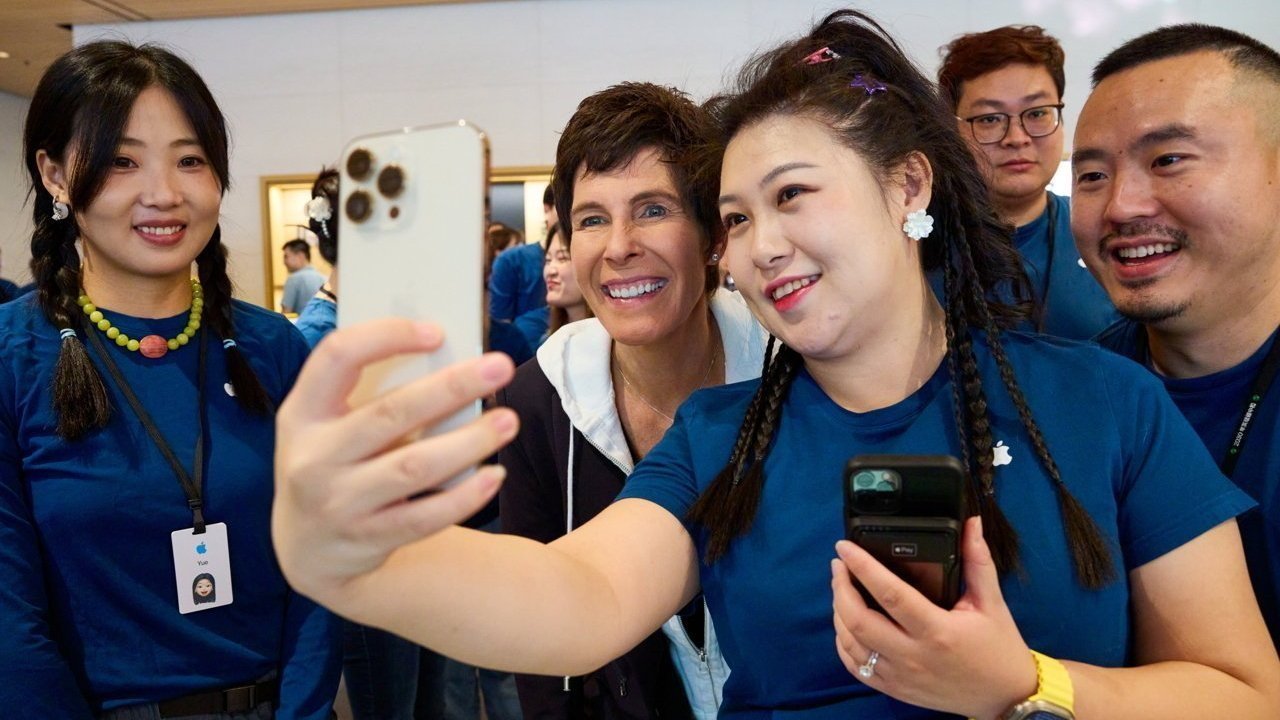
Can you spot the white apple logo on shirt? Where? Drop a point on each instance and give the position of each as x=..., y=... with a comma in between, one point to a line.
x=1000, y=455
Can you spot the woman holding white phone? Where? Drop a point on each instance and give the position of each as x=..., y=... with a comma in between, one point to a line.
x=844, y=177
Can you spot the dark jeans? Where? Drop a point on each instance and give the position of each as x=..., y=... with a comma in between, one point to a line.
x=465, y=686
x=381, y=670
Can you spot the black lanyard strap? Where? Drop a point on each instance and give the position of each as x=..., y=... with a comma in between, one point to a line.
x=1051, y=237
x=1261, y=383
x=191, y=486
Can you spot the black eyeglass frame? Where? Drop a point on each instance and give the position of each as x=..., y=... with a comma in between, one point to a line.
x=1008, y=123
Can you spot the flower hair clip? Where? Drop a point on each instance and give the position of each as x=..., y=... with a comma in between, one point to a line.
x=870, y=85
x=817, y=57
x=319, y=210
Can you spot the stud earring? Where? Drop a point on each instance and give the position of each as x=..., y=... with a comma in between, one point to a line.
x=715, y=257
x=918, y=225
x=61, y=210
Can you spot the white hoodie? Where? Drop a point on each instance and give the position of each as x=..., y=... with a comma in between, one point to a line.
x=576, y=361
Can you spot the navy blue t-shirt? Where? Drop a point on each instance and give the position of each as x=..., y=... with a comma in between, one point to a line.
x=1214, y=405
x=88, y=609
x=1075, y=307
x=1122, y=447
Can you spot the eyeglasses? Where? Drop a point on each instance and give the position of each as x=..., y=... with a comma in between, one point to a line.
x=1038, y=121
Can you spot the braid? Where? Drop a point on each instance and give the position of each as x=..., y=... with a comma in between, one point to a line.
x=728, y=506
x=80, y=399
x=219, y=314
x=1089, y=553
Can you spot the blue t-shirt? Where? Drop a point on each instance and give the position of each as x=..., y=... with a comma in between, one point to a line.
x=317, y=319
x=518, y=296
x=88, y=609
x=1076, y=306
x=299, y=287
x=1214, y=404
x=1122, y=448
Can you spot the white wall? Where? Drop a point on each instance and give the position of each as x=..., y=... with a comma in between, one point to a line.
x=295, y=87
x=15, y=212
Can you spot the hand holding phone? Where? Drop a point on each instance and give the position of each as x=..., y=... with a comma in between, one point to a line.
x=412, y=221
x=907, y=511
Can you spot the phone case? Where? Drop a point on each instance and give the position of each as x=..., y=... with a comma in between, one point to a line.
x=908, y=512
x=412, y=223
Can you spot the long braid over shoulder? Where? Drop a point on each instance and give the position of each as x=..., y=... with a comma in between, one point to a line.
x=212, y=264
x=828, y=76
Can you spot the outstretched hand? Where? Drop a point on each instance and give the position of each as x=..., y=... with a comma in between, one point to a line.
x=343, y=475
x=970, y=660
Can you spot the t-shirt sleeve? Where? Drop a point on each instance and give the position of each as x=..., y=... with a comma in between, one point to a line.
x=1171, y=490
x=35, y=679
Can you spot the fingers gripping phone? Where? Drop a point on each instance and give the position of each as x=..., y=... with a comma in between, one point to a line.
x=908, y=511
x=412, y=225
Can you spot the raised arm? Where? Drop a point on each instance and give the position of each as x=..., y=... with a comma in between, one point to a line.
x=346, y=535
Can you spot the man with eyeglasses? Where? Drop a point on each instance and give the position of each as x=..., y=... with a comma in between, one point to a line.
x=1176, y=208
x=1005, y=87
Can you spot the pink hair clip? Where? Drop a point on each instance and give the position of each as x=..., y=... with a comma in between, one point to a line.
x=817, y=57
x=872, y=86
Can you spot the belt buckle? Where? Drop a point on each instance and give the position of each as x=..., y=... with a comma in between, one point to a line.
x=240, y=699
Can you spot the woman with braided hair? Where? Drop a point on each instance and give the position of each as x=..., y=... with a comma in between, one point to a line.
x=1103, y=540
x=136, y=422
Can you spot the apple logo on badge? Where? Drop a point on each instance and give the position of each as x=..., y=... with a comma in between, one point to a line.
x=200, y=549
x=1000, y=455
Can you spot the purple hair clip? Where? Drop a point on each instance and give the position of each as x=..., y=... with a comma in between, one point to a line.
x=872, y=86
x=818, y=57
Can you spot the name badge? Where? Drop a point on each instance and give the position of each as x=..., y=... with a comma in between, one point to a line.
x=202, y=568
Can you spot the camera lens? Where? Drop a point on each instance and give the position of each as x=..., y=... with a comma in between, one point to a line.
x=391, y=181
x=359, y=206
x=864, y=480
x=359, y=164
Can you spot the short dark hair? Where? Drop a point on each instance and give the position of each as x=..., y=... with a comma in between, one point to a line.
x=611, y=127
x=548, y=196
x=969, y=56
x=1242, y=51
x=298, y=246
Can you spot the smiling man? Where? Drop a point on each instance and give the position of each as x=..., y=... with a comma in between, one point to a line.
x=1176, y=209
x=1005, y=87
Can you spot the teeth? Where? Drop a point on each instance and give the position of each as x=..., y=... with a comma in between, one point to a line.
x=794, y=285
x=626, y=292
x=161, y=230
x=1141, y=251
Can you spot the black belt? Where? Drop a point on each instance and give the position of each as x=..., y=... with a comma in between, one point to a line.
x=231, y=700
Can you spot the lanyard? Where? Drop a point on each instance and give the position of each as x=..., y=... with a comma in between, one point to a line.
x=1261, y=383
x=1050, y=238
x=190, y=486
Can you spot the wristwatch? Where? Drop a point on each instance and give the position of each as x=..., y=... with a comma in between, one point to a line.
x=1054, y=698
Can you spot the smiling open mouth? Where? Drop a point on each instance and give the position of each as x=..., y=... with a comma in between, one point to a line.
x=1140, y=253
x=785, y=290
x=628, y=291
x=159, y=232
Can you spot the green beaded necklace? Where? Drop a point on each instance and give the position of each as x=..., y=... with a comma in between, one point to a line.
x=152, y=346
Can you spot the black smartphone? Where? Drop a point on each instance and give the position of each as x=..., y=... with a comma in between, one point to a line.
x=908, y=512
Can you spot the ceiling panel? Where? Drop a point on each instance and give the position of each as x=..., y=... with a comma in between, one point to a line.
x=35, y=32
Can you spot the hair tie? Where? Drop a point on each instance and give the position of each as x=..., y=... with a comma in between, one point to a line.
x=228, y=344
x=817, y=57
x=67, y=333
x=871, y=85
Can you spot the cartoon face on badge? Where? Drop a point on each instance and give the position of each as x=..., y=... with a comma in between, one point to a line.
x=203, y=590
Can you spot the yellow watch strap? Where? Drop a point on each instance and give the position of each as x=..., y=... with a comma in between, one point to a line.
x=1054, y=683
